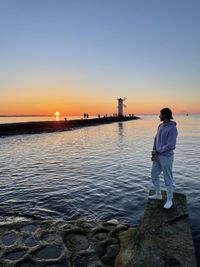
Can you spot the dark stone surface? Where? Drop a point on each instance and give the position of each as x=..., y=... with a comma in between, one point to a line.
x=76, y=242
x=100, y=236
x=49, y=243
x=15, y=255
x=9, y=239
x=49, y=237
x=31, y=242
x=48, y=252
x=163, y=239
x=30, y=228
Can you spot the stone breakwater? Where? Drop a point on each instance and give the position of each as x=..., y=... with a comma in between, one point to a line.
x=55, y=126
x=162, y=240
x=44, y=243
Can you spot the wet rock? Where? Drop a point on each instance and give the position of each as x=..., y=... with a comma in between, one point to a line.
x=75, y=230
x=65, y=226
x=29, y=228
x=31, y=242
x=107, y=227
x=163, y=239
x=87, y=226
x=98, y=249
x=107, y=261
x=85, y=242
x=48, y=252
x=1, y=253
x=57, y=265
x=113, y=222
x=112, y=251
x=101, y=229
x=125, y=257
x=100, y=236
x=172, y=262
x=117, y=229
x=78, y=261
x=27, y=264
x=109, y=241
x=76, y=242
x=49, y=237
x=94, y=261
x=30, y=263
x=15, y=255
x=9, y=239
x=110, y=255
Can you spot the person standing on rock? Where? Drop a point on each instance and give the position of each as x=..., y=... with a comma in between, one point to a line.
x=163, y=155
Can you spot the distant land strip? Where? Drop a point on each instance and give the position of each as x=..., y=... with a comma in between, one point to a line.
x=8, y=129
x=16, y=116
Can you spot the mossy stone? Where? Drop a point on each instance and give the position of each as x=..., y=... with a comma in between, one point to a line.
x=76, y=242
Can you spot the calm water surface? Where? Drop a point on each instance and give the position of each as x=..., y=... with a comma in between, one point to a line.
x=100, y=172
x=9, y=119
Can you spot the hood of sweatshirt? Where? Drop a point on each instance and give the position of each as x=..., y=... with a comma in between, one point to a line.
x=168, y=124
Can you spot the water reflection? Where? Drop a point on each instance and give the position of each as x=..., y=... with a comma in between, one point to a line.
x=120, y=129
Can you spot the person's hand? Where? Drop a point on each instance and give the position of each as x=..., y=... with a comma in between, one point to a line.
x=153, y=155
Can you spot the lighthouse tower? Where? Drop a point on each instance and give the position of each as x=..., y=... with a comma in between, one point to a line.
x=120, y=106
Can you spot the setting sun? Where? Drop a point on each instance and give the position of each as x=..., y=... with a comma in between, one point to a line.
x=57, y=113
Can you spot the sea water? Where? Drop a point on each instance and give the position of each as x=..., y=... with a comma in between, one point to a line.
x=100, y=172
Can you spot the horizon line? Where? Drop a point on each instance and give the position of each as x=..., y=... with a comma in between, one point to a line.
x=64, y=115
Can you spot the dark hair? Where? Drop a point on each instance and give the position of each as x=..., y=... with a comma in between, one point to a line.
x=167, y=112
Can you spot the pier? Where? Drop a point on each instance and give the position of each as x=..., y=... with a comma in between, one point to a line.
x=8, y=129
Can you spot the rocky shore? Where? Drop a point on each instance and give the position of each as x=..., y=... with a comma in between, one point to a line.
x=74, y=243
x=8, y=129
x=162, y=240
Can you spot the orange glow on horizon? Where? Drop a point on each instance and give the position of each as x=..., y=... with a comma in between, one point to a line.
x=69, y=105
x=57, y=113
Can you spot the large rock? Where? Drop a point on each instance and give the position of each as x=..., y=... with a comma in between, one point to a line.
x=163, y=239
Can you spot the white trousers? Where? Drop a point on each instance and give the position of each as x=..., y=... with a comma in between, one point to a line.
x=163, y=164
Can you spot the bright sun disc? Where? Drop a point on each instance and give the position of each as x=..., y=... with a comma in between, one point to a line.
x=57, y=113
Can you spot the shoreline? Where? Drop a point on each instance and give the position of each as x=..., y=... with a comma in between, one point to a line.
x=18, y=128
x=162, y=239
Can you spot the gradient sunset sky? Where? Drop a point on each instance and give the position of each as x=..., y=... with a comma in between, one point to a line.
x=79, y=56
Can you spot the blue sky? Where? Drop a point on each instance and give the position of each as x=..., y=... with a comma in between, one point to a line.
x=95, y=51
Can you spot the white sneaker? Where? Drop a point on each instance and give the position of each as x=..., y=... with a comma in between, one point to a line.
x=155, y=196
x=168, y=204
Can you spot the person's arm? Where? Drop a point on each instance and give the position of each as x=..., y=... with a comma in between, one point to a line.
x=154, y=152
x=171, y=141
x=154, y=143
